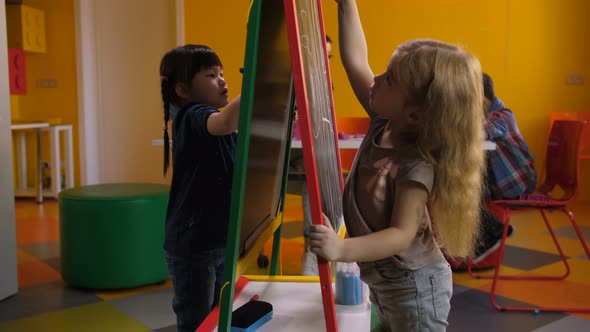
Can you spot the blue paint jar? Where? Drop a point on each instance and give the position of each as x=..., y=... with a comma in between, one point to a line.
x=349, y=287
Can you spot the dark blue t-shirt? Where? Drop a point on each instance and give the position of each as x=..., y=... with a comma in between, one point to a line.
x=198, y=208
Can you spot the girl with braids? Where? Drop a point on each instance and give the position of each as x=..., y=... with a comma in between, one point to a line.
x=203, y=152
x=423, y=149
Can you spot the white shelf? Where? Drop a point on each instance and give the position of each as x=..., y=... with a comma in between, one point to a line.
x=60, y=135
x=22, y=189
x=32, y=192
x=25, y=126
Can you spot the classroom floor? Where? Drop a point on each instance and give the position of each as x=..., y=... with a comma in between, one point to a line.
x=45, y=303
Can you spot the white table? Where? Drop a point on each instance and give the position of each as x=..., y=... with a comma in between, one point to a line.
x=21, y=159
x=353, y=143
x=297, y=306
x=489, y=145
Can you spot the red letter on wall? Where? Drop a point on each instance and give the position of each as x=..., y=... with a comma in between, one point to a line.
x=16, y=71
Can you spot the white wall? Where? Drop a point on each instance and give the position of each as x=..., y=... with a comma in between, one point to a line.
x=8, y=276
x=120, y=45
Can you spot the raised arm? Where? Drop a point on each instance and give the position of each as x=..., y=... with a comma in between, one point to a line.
x=226, y=121
x=353, y=50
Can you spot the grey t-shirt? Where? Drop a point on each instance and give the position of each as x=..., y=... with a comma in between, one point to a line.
x=369, y=195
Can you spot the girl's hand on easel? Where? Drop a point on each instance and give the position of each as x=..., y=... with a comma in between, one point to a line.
x=325, y=242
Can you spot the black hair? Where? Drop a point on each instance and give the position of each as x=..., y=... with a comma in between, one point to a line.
x=180, y=66
x=328, y=39
x=488, y=87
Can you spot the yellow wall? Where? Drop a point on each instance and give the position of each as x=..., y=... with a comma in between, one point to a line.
x=220, y=25
x=59, y=63
x=548, y=42
x=529, y=47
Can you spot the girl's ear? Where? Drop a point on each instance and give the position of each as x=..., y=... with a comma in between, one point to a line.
x=182, y=91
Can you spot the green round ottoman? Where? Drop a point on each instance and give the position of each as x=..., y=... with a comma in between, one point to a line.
x=112, y=235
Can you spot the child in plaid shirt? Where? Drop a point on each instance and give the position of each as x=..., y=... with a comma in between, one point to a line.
x=510, y=166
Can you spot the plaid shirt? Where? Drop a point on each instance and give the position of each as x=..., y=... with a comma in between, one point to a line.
x=511, y=163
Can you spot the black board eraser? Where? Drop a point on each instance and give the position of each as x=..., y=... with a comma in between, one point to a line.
x=251, y=316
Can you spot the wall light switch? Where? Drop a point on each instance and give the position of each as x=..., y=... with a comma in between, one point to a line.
x=47, y=83
x=575, y=79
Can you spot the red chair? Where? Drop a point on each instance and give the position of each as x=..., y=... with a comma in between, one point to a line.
x=562, y=173
x=579, y=116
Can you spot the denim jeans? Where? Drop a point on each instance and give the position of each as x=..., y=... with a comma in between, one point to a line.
x=409, y=300
x=197, y=282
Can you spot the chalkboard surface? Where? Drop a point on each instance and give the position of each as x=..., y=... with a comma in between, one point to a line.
x=269, y=126
x=315, y=104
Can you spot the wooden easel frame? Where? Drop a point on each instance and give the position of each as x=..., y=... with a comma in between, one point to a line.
x=232, y=267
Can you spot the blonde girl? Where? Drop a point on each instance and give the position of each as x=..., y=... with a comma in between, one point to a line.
x=423, y=149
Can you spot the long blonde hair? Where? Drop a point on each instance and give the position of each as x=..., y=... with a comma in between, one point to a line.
x=446, y=83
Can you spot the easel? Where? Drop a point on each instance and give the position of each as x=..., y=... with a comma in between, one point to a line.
x=271, y=21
